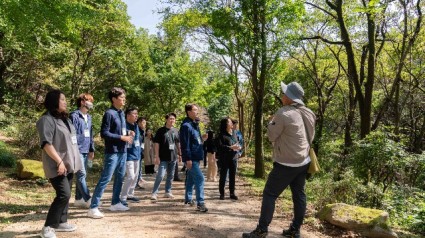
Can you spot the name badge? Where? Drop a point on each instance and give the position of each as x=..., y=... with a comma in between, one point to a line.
x=143, y=146
x=74, y=139
x=124, y=131
x=137, y=143
x=86, y=133
x=199, y=140
x=171, y=147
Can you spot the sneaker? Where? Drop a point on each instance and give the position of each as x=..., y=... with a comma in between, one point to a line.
x=65, y=227
x=178, y=180
x=168, y=195
x=257, y=233
x=140, y=187
x=124, y=202
x=118, y=207
x=154, y=197
x=190, y=203
x=221, y=197
x=95, y=213
x=47, y=232
x=291, y=233
x=133, y=199
x=81, y=203
x=202, y=208
x=233, y=196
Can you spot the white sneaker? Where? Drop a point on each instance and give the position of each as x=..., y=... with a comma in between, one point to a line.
x=81, y=203
x=95, y=213
x=118, y=207
x=154, y=197
x=168, y=195
x=47, y=232
x=65, y=227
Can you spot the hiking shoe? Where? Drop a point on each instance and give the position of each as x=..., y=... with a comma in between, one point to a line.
x=154, y=197
x=233, y=196
x=133, y=199
x=47, y=232
x=95, y=213
x=257, y=233
x=190, y=203
x=202, y=208
x=118, y=207
x=168, y=195
x=65, y=227
x=291, y=233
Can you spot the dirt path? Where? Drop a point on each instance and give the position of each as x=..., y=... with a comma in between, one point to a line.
x=165, y=218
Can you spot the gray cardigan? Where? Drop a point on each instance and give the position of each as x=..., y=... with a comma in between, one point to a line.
x=54, y=132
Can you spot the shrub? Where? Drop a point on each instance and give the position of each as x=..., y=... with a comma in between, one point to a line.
x=348, y=190
x=7, y=159
x=378, y=159
x=407, y=208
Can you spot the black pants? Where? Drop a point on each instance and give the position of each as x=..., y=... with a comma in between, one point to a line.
x=279, y=179
x=58, y=211
x=227, y=165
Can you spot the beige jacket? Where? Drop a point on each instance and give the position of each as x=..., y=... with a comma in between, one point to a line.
x=288, y=135
x=54, y=132
x=149, y=152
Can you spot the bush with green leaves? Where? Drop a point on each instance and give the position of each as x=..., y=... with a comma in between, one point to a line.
x=349, y=190
x=7, y=159
x=406, y=206
x=379, y=159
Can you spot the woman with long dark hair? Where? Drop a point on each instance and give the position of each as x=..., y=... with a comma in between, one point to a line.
x=228, y=147
x=60, y=160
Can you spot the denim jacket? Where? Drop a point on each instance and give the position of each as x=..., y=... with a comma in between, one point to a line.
x=85, y=144
x=191, y=141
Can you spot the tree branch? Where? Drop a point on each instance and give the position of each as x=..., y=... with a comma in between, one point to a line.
x=324, y=40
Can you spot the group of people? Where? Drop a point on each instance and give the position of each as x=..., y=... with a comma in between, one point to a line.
x=68, y=148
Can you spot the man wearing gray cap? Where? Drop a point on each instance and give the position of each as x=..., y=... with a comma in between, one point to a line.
x=291, y=131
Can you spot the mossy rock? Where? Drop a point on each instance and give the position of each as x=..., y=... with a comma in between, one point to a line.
x=368, y=222
x=29, y=169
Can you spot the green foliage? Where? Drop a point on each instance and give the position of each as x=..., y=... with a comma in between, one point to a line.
x=348, y=190
x=378, y=159
x=407, y=208
x=218, y=109
x=7, y=159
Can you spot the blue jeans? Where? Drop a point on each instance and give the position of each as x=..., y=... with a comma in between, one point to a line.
x=194, y=178
x=168, y=166
x=81, y=189
x=140, y=166
x=114, y=164
x=279, y=179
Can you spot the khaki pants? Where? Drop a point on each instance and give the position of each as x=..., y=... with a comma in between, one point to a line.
x=212, y=168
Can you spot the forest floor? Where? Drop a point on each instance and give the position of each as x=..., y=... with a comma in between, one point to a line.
x=164, y=218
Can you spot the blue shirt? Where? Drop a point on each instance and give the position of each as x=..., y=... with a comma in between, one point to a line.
x=111, y=131
x=191, y=141
x=133, y=150
x=238, y=134
x=85, y=141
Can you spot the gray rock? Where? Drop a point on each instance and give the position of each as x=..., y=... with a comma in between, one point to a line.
x=366, y=221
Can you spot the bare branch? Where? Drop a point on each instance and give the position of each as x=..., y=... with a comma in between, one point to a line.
x=324, y=40
x=322, y=9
